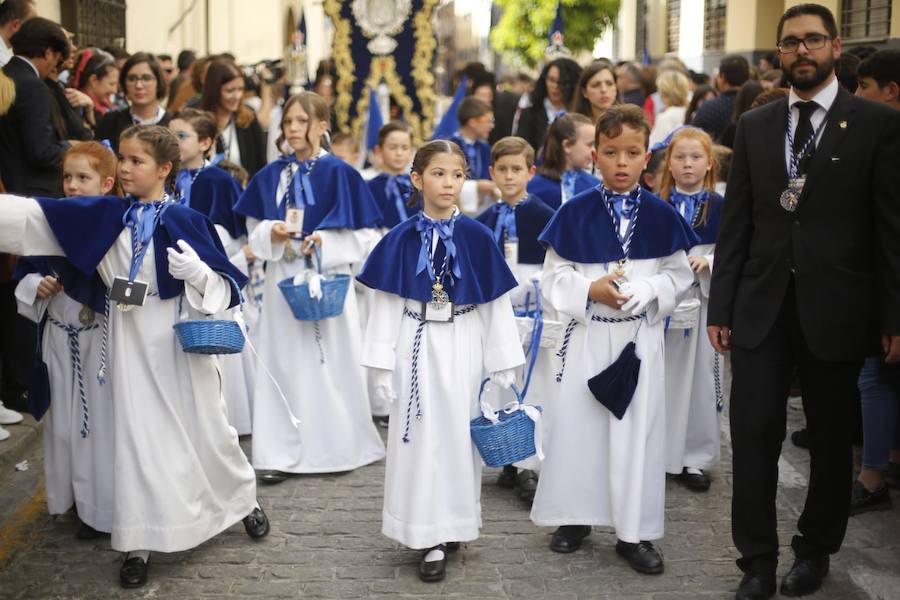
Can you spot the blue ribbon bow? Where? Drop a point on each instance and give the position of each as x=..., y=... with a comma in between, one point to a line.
x=183, y=183
x=398, y=189
x=568, y=183
x=142, y=218
x=425, y=227
x=621, y=205
x=692, y=203
x=471, y=156
x=506, y=221
x=299, y=189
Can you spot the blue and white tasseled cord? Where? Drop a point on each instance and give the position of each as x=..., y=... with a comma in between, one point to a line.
x=75, y=356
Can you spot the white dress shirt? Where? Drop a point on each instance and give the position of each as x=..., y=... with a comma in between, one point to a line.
x=824, y=99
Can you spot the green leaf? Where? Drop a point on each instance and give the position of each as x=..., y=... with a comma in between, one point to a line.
x=521, y=34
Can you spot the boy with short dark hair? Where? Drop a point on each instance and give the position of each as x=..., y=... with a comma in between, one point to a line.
x=476, y=121
x=879, y=77
x=517, y=220
x=392, y=188
x=616, y=266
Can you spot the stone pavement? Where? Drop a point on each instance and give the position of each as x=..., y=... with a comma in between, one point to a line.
x=326, y=543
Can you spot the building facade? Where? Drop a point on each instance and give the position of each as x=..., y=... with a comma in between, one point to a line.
x=701, y=31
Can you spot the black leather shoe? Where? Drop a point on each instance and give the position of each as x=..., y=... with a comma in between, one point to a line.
x=526, y=482
x=508, y=477
x=642, y=557
x=800, y=438
x=568, y=538
x=805, y=577
x=86, y=532
x=433, y=570
x=696, y=482
x=756, y=586
x=133, y=573
x=271, y=476
x=864, y=501
x=256, y=524
x=452, y=546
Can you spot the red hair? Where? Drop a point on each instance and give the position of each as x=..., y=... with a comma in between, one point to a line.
x=99, y=157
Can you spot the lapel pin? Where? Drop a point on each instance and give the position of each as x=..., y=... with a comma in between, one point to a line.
x=843, y=124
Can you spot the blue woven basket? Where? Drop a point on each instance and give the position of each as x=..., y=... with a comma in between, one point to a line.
x=509, y=440
x=307, y=308
x=211, y=336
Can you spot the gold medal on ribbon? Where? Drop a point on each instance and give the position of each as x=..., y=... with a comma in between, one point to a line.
x=289, y=254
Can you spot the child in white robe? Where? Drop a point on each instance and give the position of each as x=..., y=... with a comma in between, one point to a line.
x=516, y=221
x=694, y=370
x=180, y=474
x=78, y=431
x=301, y=203
x=391, y=189
x=441, y=318
x=212, y=191
x=615, y=266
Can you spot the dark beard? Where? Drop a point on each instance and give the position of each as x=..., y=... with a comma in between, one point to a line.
x=822, y=73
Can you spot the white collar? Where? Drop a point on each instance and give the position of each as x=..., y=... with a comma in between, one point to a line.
x=30, y=64
x=160, y=113
x=825, y=97
x=455, y=212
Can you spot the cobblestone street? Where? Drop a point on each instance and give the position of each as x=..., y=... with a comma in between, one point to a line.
x=326, y=543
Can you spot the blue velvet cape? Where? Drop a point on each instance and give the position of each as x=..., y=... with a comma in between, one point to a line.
x=550, y=190
x=532, y=216
x=343, y=200
x=390, y=217
x=582, y=231
x=391, y=267
x=483, y=151
x=86, y=228
x=214, y=193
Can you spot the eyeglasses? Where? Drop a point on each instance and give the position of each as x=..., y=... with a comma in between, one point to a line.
x=816, y=41
x=145, y=79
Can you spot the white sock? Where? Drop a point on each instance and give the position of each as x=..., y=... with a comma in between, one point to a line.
x=693, y=471
x=145, y=554
x=434, y=555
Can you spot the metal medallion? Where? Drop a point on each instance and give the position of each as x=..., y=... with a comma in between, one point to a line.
x=790, y=197
x=86, y=316
x=289, y=254
x=438, y=295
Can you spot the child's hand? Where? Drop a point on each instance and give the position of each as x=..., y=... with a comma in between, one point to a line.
x=48, y=287
x=280, y=234
x=248, y=253
x=308, y=241
x=604, y=292
x=486, y=187
x=698, y=263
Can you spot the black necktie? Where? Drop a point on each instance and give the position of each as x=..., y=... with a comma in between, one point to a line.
x=804, y=131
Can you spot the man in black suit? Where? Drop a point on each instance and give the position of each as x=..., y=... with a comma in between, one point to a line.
x=807, y=269
x=30, y=153
x=30, y=156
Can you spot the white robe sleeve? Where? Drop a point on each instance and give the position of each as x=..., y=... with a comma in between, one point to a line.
x=671, y=282
x=564, y=288
x=24, y=230
x=705, y=277
x=234, y=248
x=468, y=197
x=502, y=347
x=382, y=331
x=346, y=246
x=260, y=239
x=27, y=302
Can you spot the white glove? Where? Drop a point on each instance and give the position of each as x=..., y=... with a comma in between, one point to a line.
x=315, y=286
x=641, y=294
x=186, y=265
x=384, y=385
x=504, y=378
